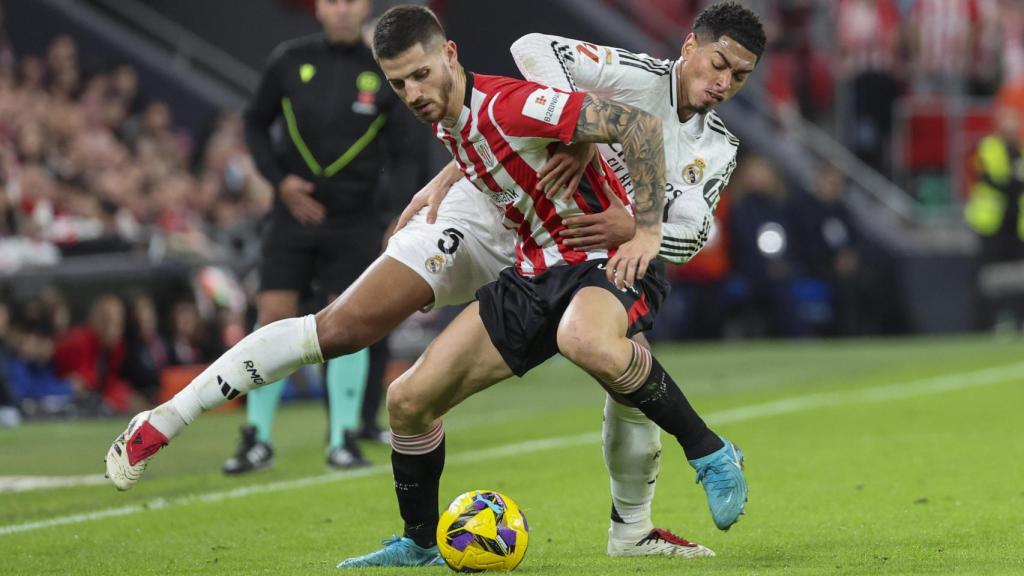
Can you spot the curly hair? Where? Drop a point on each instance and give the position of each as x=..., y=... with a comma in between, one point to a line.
x=734, y=20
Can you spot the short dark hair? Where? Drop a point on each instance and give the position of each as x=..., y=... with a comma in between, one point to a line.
x=402, y=27
x=734, y=20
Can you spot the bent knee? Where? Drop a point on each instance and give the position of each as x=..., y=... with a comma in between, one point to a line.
x=594, y=352
x=579, y=346
x=407, y=410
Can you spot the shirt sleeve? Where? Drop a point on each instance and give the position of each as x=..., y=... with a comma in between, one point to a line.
x=688, y=219
x=260, y=114
x=576, y=65
x=531, y=110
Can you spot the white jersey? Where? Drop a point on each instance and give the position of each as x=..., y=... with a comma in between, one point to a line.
x=700, y=154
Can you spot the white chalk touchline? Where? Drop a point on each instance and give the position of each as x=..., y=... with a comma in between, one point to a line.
x=26, y=483
x=921, y=387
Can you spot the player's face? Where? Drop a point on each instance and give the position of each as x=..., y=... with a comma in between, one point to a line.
x=423, y=78
x=342, y=20
x=713, y=72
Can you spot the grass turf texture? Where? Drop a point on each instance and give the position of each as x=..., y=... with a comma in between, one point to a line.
x=926, y=483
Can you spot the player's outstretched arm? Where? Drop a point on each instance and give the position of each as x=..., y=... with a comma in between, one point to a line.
x=643, y=151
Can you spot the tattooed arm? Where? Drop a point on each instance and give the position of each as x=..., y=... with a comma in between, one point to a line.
x=643, y=151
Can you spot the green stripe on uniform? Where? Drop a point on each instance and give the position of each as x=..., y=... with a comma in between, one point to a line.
x=293, y=131
x=357, y=146
x=344, y=159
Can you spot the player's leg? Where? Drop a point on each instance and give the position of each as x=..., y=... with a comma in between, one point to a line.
x=387, y=293
x=459, y=363
x=255, y=451
x=632, y=454
x=380, y=356
x=344, y=252
x=592, y=334
x=287, y=261
x=413, y=273
x=346, y=384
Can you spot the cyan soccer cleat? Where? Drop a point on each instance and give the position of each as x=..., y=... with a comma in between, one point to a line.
x=397, y=552
x=721, y=473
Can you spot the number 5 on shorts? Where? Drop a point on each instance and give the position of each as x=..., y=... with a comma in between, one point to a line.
x=454, y=237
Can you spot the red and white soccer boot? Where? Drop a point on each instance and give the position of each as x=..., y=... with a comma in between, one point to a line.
x=657, y=542
x=128, y=455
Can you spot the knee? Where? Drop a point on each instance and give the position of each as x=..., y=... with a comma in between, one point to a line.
x=408, y=413
x=584, y=348
x=339, y=335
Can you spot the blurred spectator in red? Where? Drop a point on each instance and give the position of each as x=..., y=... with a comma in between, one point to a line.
x=1011, y=93
x=798, y=79
x=92, y=357
x=1011, y=18
x=943, y=41
x=868, y=33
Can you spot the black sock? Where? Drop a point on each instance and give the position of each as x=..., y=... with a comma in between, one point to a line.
x=417, y=478
x=661, y=400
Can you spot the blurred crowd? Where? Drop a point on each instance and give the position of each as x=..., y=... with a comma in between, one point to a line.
x=845, y=63
x=89, y=165
x=112, y=361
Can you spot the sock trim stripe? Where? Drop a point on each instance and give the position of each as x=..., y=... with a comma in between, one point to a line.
x=419, y=444
x=637, y=372
x=630, y=372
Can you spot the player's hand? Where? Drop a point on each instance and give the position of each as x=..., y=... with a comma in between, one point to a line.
x=430, y=196
x=563, y=171
x=604, y=230
x=297, y=195
x=632, y=258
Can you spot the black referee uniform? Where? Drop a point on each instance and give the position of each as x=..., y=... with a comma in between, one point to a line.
x=341, y=128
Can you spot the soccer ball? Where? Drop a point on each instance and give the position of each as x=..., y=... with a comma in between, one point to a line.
x=482, y=530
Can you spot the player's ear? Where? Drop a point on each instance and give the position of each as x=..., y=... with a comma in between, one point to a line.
x=689, y=46
x=451, y=52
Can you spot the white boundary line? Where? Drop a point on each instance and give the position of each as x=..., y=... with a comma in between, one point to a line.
x=27, y=483
x=910, y=389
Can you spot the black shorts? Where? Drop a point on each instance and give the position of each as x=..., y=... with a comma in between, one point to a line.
x=331, y=255
x=521, y=315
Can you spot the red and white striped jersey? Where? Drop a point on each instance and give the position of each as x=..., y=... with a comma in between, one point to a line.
x=505, y=133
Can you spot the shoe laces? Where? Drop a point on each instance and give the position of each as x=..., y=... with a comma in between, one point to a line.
x=670, y=537
x=715, y=476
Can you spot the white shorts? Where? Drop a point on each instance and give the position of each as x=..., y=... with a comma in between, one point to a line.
x=466, y=248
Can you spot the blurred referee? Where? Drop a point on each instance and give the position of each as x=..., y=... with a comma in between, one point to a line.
x=323, y=130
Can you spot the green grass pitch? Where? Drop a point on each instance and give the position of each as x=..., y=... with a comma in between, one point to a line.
x=863, y=457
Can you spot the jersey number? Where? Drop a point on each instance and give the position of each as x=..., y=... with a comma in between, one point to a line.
x=454, y=238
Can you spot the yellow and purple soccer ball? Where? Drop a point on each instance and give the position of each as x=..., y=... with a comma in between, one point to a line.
x=482, y=530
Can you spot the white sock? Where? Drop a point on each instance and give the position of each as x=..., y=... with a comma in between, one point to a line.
x=265, y=356
x=632, y=454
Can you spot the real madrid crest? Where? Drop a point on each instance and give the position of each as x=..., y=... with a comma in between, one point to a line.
x=434, y=264
x=694, y=173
